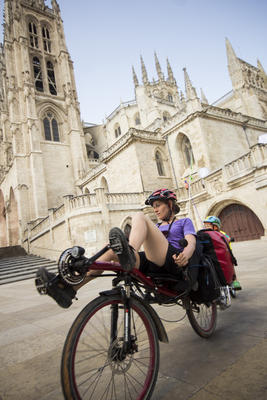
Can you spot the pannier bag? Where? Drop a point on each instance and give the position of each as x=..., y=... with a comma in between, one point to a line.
x=216, y=247
x=208, y=282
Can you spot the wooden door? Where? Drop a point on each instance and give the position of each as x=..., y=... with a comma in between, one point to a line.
x=241, y=223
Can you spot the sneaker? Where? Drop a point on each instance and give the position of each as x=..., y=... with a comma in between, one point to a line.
x=236, y=285
x=52, y=284
x=125, y=252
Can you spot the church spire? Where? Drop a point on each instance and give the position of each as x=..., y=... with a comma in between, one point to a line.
x=189, y=89
x=203, y=97
x=262, y=72
x=231, y=56
x=144, y=73
x=136, y=83
x=158, y=68
x=55, y=6
x=170, y=73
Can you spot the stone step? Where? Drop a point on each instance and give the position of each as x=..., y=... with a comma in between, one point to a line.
x=27, y=269
x=14, y=260
x=13, y=269
x=19, y=278
x=9, y=267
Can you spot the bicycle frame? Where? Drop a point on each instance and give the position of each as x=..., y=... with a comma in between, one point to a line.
x=135, y=274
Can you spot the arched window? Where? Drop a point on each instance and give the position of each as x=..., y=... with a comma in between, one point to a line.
x=187, y=152
x=51, y=78
x=46, y=39
x=137, y=120
x=159, y=163
x=37, y=72
x=104, y=184
x=50, y=127
x=170, y=98
x=117, y=131
x=33, y=35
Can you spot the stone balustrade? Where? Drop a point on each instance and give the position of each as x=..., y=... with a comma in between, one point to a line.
x=245, y=164
x=40, y=227
x=84, y=200
x=59, y=212
x=125, y=198
x=93, y=162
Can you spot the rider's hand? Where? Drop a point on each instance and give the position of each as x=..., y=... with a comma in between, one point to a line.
x=181, y=259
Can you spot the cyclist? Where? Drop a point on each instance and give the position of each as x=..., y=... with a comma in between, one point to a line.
x=162, y=251
x=214, y=223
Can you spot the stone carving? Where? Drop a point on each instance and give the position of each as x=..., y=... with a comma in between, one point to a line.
x=9, y=156
x=55, y=6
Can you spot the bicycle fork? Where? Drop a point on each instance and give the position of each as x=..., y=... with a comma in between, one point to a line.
x=127, y=340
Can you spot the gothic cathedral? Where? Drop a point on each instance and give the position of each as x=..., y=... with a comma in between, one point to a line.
x=64, y=182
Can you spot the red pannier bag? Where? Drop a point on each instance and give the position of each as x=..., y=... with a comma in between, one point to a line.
x=216, y=247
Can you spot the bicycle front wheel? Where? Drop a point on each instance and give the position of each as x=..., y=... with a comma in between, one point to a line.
x=203, y=318
x=94, y=366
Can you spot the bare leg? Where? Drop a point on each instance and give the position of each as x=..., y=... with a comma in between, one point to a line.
x=108, y=256
x=145, y=232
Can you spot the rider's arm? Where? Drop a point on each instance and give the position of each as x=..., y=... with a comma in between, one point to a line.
x=182, y=259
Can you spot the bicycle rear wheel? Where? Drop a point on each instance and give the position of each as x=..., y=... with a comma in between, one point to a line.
x=94, y=367
x=203, y=318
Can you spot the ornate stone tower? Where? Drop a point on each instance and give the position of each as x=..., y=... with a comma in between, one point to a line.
x=249, y=84
x=42, y=145
x=153, y=97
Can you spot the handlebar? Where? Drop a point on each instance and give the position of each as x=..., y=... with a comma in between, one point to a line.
x=183, y=243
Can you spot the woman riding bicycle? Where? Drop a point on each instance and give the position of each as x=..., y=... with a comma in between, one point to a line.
x=162, y=251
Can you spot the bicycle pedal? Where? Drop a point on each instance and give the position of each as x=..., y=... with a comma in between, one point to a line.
x=115, y=245
x=41, y=286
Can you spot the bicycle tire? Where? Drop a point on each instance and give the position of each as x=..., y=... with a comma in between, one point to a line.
x=87, y=369
x=233, y=292
x=203, y=318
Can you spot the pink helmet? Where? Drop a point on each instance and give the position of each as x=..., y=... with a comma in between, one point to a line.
x=161, y=194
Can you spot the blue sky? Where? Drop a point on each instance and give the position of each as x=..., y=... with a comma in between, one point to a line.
x=105, y=38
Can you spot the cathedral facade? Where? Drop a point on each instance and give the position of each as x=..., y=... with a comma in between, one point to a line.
x=64, y=182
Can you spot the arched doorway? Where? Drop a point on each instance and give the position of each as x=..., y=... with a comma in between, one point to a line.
x=241, y=223
x=3, y=231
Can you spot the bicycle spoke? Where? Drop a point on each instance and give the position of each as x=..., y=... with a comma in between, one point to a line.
x=102, y=367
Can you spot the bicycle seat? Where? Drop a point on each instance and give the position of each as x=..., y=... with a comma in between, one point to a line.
x=176, y=282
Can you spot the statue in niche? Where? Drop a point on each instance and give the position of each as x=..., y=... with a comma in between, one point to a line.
x=9, y=156
x=17, y=11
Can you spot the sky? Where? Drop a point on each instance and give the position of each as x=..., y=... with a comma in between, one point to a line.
x=105, y=39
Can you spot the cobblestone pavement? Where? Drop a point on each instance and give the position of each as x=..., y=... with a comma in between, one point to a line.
x=231, y=364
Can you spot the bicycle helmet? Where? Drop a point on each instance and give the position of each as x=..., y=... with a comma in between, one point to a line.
x=213, y=220
x=161, y=194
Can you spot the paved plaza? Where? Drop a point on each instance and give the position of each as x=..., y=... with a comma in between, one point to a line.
x=232, y=364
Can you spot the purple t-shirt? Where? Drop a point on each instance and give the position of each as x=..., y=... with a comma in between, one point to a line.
x=178, y=230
